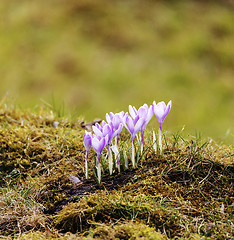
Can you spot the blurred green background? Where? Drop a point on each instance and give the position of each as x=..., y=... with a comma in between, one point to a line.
x=90, y=57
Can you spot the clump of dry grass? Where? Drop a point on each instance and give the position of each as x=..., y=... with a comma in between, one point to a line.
x=19, y=211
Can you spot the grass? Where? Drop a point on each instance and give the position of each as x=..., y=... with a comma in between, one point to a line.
x=184, y=193
x=95, y=57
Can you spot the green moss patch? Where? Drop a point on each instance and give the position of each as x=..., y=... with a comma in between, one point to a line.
x=105, y=207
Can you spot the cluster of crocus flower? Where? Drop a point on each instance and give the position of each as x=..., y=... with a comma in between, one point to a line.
x=134, y=121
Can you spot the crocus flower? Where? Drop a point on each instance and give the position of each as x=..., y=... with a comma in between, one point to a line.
x=87, y=140
x=133, y=126
x=104, y=130
x=107, y=131
x=98, y=144
x=116, y=120
x=161, y=110
x=144, y=112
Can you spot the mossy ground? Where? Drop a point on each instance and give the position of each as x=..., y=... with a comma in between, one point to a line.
x=186, y=192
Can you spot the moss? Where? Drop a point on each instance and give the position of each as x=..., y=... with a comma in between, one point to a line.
x=105, y=207
x=128, y=230
x=39, y=235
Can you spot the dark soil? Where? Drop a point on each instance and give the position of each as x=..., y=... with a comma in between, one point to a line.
x=76, y=191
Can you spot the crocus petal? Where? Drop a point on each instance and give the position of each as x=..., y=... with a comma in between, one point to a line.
x=159, y=110
x=97, y=131
x=132, y=111
x=150, y=114
x=116, y=121
x=168, y=108
x=108, y=118
x=97, y=125
x=115, y=150
x=147, y=118
x=138, y=125
x=122, y=115
x=95, y=144
x=142, y=112
x=87, y=140
x=106, y=138
x=130, y=125
x=154, y=105
x=112, y=115
x=136, y=119
x=106, y=130
x=98, y=145
x=117, y=132
x=124, y=119
x=103, y=124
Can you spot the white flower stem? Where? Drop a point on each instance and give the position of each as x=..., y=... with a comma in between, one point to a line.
x=125, y=160
x=110, y=161
x=133, y=155
x=86, y=166
x=160, y=140
x=118, y=164
x=117, y=157
x=154, y=142
x=86, y=169
x=99, y=174
x=142, y=142
x=117, y=140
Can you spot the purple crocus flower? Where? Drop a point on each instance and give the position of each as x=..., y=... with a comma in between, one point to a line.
x=144, y=112
x=133, y=126
x=161, y=110
x=147, y=113
x=108, y=131
x=98, y=144
x=104, y=130
x=116, y=120
x=87, y=140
